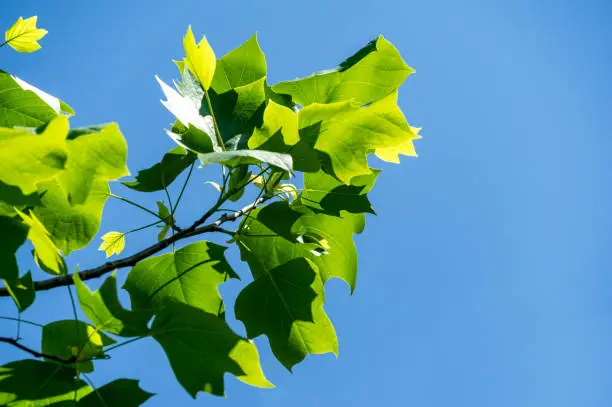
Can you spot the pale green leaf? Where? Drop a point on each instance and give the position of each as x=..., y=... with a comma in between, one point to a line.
x=201, y=348
x=112, y=243
x=104, y=310
x=190, y=275
x=24, y=34
x=199, y=58
x=28, y=158
x=162, y=174
x=243, y=157
x=286, y=304
x=46, y=254
x=214, y=185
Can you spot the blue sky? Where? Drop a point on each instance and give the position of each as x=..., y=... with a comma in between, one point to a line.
x=484, y=279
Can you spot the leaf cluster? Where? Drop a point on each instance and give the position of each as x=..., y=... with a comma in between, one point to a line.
x=294, y=158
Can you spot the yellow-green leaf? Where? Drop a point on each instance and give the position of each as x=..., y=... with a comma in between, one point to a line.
x=112, y=243
x=46, y=254
x=199, y=58
x=24, y=34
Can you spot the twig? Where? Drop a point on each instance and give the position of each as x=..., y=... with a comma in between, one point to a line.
x=36, y=354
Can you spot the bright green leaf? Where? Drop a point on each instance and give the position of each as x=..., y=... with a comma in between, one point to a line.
x=190, y=275
x=46, y=254
x=241, y=66
x=24, y=34
x=162, y=174
x=372, y=73
x=201, y=348
x=112, y=243
x=286, y=305
x=27, y=158
x=22, y=104
x=199, y=58
x=105, y=311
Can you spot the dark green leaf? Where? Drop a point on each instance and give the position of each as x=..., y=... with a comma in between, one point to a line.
x=22, y=291
x=163, y=173
x=119, y=393
x=201, y=348
x=286, y=305
x=13, y=233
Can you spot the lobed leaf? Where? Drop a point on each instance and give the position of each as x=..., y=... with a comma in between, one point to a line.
x=23, y=36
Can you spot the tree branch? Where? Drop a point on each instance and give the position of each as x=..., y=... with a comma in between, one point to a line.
x=130, y=261
x=37, y=354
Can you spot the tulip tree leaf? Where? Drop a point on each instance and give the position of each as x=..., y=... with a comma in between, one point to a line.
x=372, y=73
x=201, y=348
x=14, y=234
x=23, y=36
x=286, y=304
x=162, y=174
x=22, y=291
x=46, y=254
x=121, y=392
x=190, y=275
x=104, y=310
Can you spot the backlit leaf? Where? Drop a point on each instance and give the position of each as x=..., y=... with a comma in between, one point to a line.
x=24, y=34
x=112, y=243
x=22, y=291
x=46, y=254
x=199, y=58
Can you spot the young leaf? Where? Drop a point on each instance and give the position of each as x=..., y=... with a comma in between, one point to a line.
x=121, y=392
x=103, y=308
x=112, y=243
x=190, y=275
x=201, y=348
x=164, y=214
x=69, y=338
x=27, y=159
x=162, y=174
x=46, y=254
x=214, y=185
x=24, y=34
x=200, y=58
x=22, y=291
x=286, y=305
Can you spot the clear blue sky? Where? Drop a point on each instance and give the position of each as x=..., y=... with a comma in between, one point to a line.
x=485, y=280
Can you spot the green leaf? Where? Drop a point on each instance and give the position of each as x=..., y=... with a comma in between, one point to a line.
x=70, y=338
x=200, y=58
x=344, y=134
x=112, y=243
x=323, y=193
x=21, y=104
x=163, y=173
x=239, y=177
x=201, y=348
x=286, y=305
x=46, y=254
x=22, y=291
x=372, y=73
x=276, y=234
x=166, y=216
x=104, y=310
x=190, y=275
x=279, y=133
x=23, y=36
x=121, y=392
x=27, y=159
x=187, y=111
x=72, y=227
x=96, y=153
x=73, y=200
x=241, y=66
x=244, y=157
x=34, y=383
x=13, y=234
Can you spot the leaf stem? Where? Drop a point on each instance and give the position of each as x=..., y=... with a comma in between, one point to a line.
x=217, y=131
x=178, y=200
x=24, y=321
